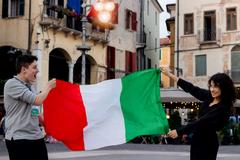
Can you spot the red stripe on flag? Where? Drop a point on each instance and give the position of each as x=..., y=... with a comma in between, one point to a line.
x=65, y=115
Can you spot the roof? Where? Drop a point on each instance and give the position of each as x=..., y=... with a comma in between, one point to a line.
x=165, y=41
x=170, y=5
x=159, y=7
x=176, y=95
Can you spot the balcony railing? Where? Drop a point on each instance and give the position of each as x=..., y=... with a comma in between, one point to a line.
x=209, y=36
x=141, y=39
x=71, y=25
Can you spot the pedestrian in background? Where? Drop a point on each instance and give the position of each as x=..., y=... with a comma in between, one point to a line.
x=213, y=114
x=24, y=139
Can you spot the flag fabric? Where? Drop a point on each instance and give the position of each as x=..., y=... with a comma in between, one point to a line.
x=111, y=112
x=75, y=5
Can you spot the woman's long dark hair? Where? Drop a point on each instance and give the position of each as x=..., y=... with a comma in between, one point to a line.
x=225, y=83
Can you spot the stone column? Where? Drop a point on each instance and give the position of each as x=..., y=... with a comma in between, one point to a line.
x=70, y=66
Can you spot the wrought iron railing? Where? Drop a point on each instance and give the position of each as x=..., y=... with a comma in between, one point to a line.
x=141, y=38
x=209, y=35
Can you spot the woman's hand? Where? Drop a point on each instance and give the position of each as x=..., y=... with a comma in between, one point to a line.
x=166, y=71
x=173, y=134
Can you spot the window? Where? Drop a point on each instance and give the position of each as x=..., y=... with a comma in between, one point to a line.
x=131, y=20
x=235, y=65
x=12, y=8
x=156, y=18
x=231, y=19
x=130, y=62
x=210, y=26
x=160, y=54
x=149, y=63
x=188, y=24
x=52, y=13
x=156, y=45
x=200, y=65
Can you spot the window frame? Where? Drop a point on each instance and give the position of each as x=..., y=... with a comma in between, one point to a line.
x=188, y=24
x=229, y=12
x=13, y=8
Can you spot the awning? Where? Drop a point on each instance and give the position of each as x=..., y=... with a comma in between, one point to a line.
x=176, y=95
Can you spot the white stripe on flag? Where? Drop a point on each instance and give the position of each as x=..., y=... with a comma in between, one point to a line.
x=104, y=114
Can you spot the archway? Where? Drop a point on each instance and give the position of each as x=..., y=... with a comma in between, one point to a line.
x=58, y=66
x=8, y=55
x=91, y=70
x=235, y=65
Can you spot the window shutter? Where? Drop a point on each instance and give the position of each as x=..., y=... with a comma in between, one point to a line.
x=21, y=8
x=110, y=62
x=5, y=8
x=115, y=14
x=60, y=14
x=110, y=57
x=134, y=62
x=134, y=21
x=127, y=19
x=127, y=62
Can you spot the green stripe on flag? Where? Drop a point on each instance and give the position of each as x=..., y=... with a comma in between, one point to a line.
x=141, y=106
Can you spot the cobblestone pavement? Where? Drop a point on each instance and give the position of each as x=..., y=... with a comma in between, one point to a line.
x=130, y=152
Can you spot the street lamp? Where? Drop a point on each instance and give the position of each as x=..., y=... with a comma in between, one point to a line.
x=103, y=8
x=83, y=48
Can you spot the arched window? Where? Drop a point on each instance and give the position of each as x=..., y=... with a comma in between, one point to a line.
x=235, y=65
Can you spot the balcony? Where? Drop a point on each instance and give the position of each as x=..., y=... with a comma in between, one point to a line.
x=141, y=39
x=71, y=26
x=209, y=36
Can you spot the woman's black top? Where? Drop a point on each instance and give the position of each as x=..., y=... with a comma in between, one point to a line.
x=210, y=118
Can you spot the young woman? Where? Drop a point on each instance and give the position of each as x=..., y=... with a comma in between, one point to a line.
x=213, y=114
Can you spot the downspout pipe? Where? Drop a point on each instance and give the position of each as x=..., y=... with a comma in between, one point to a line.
x=29, y=27
x=178, y=38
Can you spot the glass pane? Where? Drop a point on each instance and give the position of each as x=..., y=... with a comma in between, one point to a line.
x=201, y=67
x=235, y=66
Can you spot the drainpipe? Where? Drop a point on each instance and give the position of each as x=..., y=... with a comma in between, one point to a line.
x=177, y=38
x=29, y=27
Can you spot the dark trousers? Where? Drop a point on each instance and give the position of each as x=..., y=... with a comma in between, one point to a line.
x=27, y=149
x=204, y=147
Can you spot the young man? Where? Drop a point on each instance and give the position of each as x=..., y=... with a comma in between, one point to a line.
x=24, y=139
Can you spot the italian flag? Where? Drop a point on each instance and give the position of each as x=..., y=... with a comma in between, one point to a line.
x=112, y=112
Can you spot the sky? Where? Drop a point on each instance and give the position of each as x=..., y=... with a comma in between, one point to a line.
x=163, y=16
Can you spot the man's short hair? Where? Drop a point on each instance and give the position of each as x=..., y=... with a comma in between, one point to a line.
x=24, y=61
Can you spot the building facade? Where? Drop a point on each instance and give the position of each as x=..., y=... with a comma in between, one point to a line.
x=45, y=29
x=121, y=49
x=53, y=32
x=165, y=59
x=152, y=10
x=207, y=39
